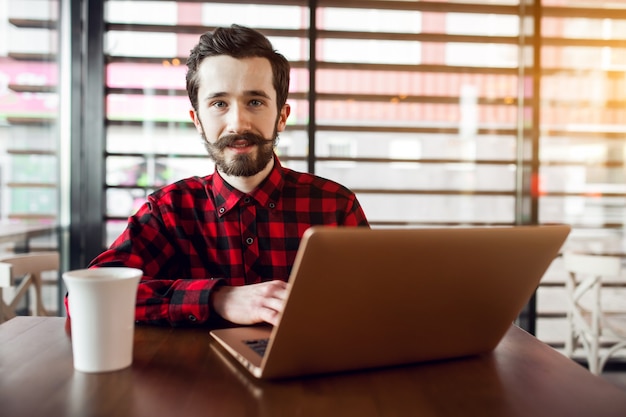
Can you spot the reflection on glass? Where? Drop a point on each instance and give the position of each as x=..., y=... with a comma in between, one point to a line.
x=28, y=111
x=415, y=210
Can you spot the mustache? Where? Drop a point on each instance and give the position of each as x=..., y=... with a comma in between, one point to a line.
x=252, y=138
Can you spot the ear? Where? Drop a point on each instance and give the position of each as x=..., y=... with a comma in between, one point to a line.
x=282, y=118
x=196, y=120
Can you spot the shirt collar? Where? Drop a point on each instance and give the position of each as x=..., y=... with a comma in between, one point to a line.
x=267, y=194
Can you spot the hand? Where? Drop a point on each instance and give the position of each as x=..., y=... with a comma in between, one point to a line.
x=250, y=304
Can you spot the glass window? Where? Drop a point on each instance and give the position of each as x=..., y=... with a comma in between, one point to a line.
x=28, y=111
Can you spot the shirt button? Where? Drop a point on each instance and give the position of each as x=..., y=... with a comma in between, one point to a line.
x=246, y=200
x=249, y=241
x=192, y=317
x=222, y=210
x=272, y=205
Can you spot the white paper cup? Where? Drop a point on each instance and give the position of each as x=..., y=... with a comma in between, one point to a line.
x=101, y=305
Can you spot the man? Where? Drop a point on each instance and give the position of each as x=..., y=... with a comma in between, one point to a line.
x=223, y=245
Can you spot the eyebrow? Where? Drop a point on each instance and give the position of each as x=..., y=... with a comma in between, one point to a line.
x=256, y=93
x=248, y=93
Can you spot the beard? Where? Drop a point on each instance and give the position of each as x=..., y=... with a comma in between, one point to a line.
x=241, y=165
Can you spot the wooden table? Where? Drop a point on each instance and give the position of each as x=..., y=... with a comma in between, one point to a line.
x=180, y=372
x=21, y=234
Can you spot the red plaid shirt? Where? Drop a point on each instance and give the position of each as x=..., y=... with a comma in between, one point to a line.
x=197, y=232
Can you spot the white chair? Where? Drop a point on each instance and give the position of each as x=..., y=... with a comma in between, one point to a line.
x=601, y=333
x=29, y=267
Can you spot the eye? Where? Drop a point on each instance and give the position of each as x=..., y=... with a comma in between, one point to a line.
x=256, y=103
x=219, y=104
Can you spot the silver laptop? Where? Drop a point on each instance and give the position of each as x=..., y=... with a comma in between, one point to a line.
x=361, y=298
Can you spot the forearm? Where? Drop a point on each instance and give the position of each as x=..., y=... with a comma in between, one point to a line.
x=175, y=302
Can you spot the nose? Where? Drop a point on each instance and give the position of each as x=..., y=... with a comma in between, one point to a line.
x=238, y=119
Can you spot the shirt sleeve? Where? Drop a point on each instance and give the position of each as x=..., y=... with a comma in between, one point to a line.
x=162, y=296
x=354, y=215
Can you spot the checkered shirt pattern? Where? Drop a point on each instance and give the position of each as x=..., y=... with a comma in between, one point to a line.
x=198, y=232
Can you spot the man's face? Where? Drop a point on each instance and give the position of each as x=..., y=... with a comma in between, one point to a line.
x=237, y=113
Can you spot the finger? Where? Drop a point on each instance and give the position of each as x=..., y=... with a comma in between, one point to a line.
x=270, y=316
x=275, y=304
x=278, y=289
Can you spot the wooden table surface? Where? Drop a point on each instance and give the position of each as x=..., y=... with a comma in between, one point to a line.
x=181, y=372
x=21, y=234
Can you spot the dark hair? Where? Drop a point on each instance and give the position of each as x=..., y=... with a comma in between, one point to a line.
x=238, y=42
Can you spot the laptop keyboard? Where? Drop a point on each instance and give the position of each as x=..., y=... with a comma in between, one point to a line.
x=258, y=345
